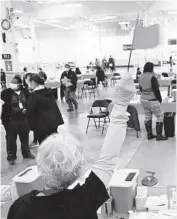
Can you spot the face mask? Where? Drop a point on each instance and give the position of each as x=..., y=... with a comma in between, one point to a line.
x=14, y=86
x=67, y=69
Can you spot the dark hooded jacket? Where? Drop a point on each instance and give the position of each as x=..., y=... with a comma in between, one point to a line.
x=6, y=96
x=42, y=111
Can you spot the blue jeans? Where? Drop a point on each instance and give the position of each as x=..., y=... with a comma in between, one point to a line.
x=70, y=97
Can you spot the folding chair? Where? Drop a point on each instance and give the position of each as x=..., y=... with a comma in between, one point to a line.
x=89, y=88
x=165, y=75
x=173, y=84
x=115, y=78
x=103, y=113
x=133, y=119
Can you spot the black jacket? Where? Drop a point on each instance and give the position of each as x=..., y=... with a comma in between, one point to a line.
x=3, y=76
x=100, y=75
x=72, y=76
x=42, y=111
x=6, y=96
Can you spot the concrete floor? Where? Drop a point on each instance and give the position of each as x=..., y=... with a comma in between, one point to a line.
x=138, y=153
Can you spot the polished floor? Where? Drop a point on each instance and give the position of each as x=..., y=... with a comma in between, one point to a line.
x=136, y=153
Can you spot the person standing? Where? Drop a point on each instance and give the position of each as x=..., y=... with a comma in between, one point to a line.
x=42, y=74
x=112, y=64
x=171, y=61
x=3, y=79
x=151, y=101
x=138, y=73
x=104, y=64
x=43, y=114
x=69, y=84
x=78, y=72
x=100, y=76
x=15, y=120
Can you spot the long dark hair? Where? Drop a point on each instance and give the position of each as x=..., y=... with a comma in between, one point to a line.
x=37, y=79
x=148, y=67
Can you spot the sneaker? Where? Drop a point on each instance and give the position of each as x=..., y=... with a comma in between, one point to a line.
x=33, y=145
x=76, y=106
x=29, y=156
x=70, y=110
x=11, y=162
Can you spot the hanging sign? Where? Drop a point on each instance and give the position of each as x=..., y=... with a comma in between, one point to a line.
x=127, y=47
x=8, y=65
x=6, y=56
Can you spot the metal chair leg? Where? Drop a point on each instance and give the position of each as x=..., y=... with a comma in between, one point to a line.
x=103, y=125
x=88, y=125
x=95, y=123
x=99, y=123
x=137, y=135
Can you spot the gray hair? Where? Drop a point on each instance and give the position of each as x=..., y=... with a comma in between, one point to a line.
x=60, y=161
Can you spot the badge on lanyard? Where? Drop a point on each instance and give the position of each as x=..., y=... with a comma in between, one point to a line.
x=20, y=105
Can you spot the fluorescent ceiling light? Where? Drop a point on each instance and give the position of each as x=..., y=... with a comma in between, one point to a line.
x=17, y=12
x=72, y=5
x=172, y=12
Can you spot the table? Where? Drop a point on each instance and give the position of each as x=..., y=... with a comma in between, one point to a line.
x=87, y=76
x=152, y=191
x=54, y=85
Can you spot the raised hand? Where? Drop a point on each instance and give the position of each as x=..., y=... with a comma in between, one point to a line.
x=125, y=90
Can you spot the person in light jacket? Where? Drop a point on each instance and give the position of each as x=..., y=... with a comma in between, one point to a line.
x=43, y=114
x=70, y=89
x=60, y=162
x=151, y=101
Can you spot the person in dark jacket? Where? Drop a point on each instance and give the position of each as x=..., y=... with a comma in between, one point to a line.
x=151, y=101
x=138, y=73
x=69, y=84
x=42, y=111
x=26, y=81
x=42, y=74
x=15, y=120
x=3, y=79
x=78, y=72
x=100, y=76
x=112, y=63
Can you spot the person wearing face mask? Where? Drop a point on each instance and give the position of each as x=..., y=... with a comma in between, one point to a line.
x=14, y=119
x=26, y=82
x=69, y=84
x=43, y=114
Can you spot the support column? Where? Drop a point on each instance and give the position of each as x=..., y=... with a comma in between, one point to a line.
x=11, y=64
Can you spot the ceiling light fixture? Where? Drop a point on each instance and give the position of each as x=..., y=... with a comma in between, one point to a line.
x=72, y=5
x=172, y=12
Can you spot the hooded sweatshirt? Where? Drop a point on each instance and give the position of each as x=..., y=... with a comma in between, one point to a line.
x=42, y=111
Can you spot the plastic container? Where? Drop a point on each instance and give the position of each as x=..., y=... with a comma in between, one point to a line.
x=123, y=189
x=28, y=180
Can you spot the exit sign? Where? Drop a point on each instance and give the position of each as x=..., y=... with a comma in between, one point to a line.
x=6, y=56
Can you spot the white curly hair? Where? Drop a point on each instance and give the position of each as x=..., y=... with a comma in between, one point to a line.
x=60, y=161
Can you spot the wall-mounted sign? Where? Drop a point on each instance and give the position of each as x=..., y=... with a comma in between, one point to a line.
x=6, y=56
x=8, y=65
x=127, y=47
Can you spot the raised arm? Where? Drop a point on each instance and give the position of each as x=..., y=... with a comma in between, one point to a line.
x=108, y=159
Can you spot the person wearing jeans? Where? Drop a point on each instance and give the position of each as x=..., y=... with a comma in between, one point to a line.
x=151, y=101
x=69, y=84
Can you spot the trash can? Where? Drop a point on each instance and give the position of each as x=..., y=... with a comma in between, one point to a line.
x=28, y=180
x=169, y=124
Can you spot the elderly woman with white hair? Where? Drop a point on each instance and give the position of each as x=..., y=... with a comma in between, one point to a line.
x=61, y=163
